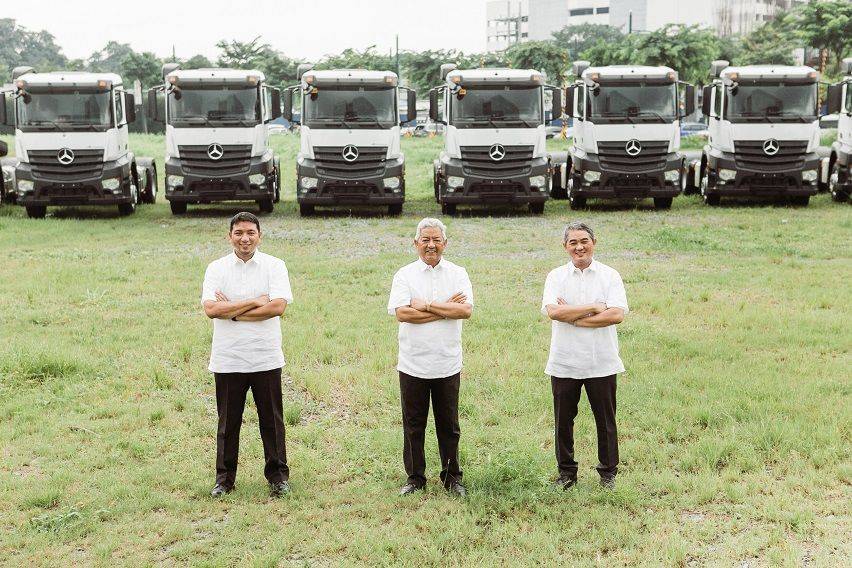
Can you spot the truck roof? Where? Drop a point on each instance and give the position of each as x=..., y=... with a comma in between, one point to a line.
x=68, y=79
x=350, y=77
x=626, y=72
x=495, y=75
x=216, y=75
x=770, y=72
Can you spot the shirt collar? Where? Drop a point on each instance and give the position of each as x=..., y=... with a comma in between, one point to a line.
x=237, y=260
x=591, y=268
x=423, y=266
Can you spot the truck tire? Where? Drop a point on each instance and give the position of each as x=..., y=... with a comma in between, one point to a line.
x=536, y=208
x=800, y=200
x=662, y=203
x=150, y=195
x=266, y=205
x=125, y=209
x=574, y=201
x=306, y=210
x=36, y=211
x=436, y=181
x=277, y=183
x=687, y=180
x=448, y=209
x=146, y=176
x=838, y=194
x=178, y=207
x=395, y=209
x=556, y=189
x=711, y=199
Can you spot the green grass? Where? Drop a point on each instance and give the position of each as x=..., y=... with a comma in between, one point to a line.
x=734, y=415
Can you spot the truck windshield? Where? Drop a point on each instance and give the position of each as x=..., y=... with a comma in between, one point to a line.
x=772, y=102
x=72, y=110
x=633, y=103
x=236, y=105
x=351, y=107
x=491, y=107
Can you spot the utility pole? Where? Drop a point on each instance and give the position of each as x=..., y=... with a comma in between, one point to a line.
x=397, y=55
x=630, y=22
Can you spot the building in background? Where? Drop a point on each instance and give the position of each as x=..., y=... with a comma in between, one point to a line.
x=740, y=17
x=548, y=16
x=507, y=23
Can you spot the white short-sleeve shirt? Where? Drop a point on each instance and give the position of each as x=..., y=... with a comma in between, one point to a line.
x=584, y=352
x=429, y=350
x=246, y=346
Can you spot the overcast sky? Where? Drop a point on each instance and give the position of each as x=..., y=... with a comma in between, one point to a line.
x=298, y=28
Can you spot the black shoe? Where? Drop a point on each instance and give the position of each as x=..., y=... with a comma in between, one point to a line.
x=279, y=489
x=409, y=488
x=565, y=482
x=457, y=489
x=608, y=482
x=220, y=490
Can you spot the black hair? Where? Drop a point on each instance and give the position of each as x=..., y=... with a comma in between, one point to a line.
x=244, y=216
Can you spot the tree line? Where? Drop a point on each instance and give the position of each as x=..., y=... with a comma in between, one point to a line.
x=825, y=25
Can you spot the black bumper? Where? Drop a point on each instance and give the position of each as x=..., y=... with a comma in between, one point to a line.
x=60, y=190
x=205, y=187
x=333, y=190
x=759, y=182
x=633, y=183
x=481, y=189
x=844, y=169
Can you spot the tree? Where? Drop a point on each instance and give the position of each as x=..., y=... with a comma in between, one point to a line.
x=578, y=38
x=146, y=67
x=240, y=54
x=197, y=62
x=543, y=56
x=110, y=59
x=23, y=47
x=354, y=59
x=827, y=25
x=279, y=69
x=773, y=42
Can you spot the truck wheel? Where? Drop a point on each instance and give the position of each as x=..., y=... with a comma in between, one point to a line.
x=838, y=194
x=150, y=194
x=395, y=209
x=277, y=183
x=435, y=182
x=536, y=208
x=448, y=209
x=306, y=210
x=687, y=179
x=800, y=200
x=178, y=207
x=576, y=202
x=125, y=209
x=266, y=205
x=662, y=203
x=711, y=199
x=556, y=189
x=36, y=211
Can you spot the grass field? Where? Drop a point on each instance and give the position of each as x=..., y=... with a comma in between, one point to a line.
x=734, y=415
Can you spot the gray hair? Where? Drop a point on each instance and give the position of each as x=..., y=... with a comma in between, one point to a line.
x=431, y=222
x=576, y=226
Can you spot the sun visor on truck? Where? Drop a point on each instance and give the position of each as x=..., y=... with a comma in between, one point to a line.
x=56, y=85
x=212, y=81
x=630, y=78
x=459, y=78
x=351, y=80
x=803, y=77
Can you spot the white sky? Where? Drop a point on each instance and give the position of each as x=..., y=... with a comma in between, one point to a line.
x=305, y=29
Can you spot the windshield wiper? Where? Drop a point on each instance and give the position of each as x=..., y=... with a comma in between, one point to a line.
x=88, y=125
x=241, y=121
x=50, y=123
x=488, y=119
x=654, y=114
x=192, y=119
x=527, y=123
x=611, y=115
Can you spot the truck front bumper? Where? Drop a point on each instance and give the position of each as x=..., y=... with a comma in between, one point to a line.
x=764, y=182
x=478, y=189
x=202, y=187
x=315, y=187
x=59, y=190
x=625, y=184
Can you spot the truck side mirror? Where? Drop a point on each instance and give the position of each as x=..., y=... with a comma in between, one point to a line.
x=4, y=148
x=706, y=99
x=689, y=100
x=556, y=103
x=129, y=107
x=433, y=105
x=569, y=101
x=287, y=102
x=151, y=108
x=835, y=98
x=275, y=111
x=411, y=114
x=3, y=110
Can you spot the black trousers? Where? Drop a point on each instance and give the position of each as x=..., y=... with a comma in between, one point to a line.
x=414, y=394
x=601, y=393
x=231, y=390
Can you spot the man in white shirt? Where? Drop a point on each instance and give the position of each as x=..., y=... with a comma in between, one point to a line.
x=245, y=294
x=429, y=298
x=586, y=300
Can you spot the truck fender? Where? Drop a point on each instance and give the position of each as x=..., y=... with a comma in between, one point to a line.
x=824, y=172
x=146, y=172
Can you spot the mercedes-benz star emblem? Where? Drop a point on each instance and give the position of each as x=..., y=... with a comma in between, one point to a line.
x=633, y=147
x=350, y=153
x=215, y=151
x=771, y=147
x=497, y=152
x=65, y=156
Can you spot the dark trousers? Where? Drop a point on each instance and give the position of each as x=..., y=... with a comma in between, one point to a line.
x=231, y=390
x=601, y=393
x=414, y=394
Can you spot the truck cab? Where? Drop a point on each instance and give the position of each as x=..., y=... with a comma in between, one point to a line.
x=71, y=142
x=494, y=137
x=350, y=138
x=837, y=170
x=217, y=140
x=763, y=134
x=626, y=133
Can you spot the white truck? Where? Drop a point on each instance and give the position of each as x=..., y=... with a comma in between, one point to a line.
x=494, y=137
x=764, y=132
x=217, y=139
x=71, y=142
x=350, y=132
x=626, y=133
x=837, y=170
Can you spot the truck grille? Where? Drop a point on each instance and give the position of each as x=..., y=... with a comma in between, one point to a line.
x=370, y=161
x=477, y=161
x=749, y=154
x=614, y=156
x=235, y=159
x=87, y=164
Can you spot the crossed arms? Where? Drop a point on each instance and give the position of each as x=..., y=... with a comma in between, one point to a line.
x=255, y=309
x=420, y=311
x=585, y=315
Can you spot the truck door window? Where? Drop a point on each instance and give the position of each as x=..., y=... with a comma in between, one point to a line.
x=717, y=102
x=267, y=103
x=848, y=106
x=119, y=109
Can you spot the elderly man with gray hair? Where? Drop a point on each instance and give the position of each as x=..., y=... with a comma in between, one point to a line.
x=429, y=298
x=585, y=299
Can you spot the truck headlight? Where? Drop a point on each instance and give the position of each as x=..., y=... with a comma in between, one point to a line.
x=257, y=179
x=111, y=184
x=537, y=181
x=392, y=182
x=591, y=176
x=809, y=175
x=174, y=181
x=455, y=181
x=25, y=185
x=308, y=182
x=673, y=175
x=727, y=175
